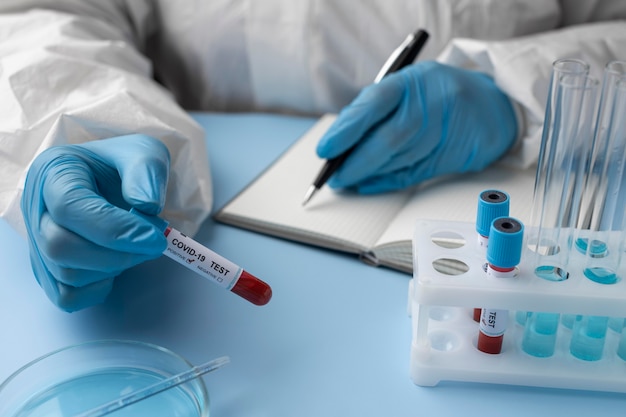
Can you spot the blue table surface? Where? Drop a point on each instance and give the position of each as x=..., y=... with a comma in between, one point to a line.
x=334, y=340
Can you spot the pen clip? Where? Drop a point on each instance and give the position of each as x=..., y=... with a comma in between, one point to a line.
x=392, y=58
x=404, y=54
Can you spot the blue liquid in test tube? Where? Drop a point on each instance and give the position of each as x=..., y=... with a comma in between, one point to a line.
x=616, y=324
x=568, y=320
x=602, y=243
x=540, y=334
x=588, y=337
x=559, y=185
x=521, y=317
x=621, y=348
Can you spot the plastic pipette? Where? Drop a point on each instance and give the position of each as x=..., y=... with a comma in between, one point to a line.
x=156, y=388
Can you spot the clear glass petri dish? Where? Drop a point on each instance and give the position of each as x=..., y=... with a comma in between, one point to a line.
x=77, y=378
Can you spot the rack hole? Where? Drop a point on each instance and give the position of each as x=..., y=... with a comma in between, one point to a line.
x=441, y=313
x=450, y=266
x=444, y=341
x=447, y=239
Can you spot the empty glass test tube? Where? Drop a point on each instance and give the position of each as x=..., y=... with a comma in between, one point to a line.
x=599, y=235
x=561, y=171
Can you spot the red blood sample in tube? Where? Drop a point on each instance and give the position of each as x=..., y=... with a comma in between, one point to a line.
x=252, y=289
x=476, y=315
x=209, y=264
x=491, y=330
x=216, y=268
x=503, y=254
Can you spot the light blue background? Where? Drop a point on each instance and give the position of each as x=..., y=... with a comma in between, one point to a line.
x=334, y=340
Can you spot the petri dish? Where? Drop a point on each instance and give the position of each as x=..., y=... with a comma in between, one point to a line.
x=72, y=380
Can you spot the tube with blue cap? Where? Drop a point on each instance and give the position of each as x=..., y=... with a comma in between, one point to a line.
x=503, y=255
x=491, y=205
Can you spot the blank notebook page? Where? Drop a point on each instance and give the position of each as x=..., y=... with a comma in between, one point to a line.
x=455, y=198
x=274, y=200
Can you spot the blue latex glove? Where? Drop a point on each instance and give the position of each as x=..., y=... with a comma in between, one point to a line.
x=424, y=121
x=75, y=206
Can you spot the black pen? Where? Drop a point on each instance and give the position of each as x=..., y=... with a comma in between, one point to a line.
x=402, y=56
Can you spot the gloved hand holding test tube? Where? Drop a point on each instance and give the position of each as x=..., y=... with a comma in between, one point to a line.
x=209, y=264
x=69, y=186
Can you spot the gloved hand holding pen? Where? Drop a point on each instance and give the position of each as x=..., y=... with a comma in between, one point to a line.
x=75, y=206
x=421, y=122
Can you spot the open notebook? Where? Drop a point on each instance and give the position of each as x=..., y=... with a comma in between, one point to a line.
x=379, y=228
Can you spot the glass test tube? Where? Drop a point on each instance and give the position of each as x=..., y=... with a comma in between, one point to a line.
x=559, y=184
x=621, y=347
x=603, y=244
x=588, y=336
x=604, y=213
x=616, y=324
x=568, y=320
x=561, y=171
x=540, y=333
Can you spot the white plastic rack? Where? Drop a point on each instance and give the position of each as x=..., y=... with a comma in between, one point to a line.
x=449, y=282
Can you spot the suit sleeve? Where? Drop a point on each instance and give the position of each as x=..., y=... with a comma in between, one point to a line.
x=71, y=77
x=522, y=67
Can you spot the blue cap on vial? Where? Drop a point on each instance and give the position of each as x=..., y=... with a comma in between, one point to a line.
x=158, y=222
x=506, y=237
x=491, y=205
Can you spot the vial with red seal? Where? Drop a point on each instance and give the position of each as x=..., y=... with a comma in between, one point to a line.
x=503, y=255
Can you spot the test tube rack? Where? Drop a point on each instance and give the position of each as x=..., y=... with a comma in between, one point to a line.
x=449, y=281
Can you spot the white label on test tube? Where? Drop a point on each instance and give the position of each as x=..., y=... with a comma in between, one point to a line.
x=493, y=322
x=204, y=261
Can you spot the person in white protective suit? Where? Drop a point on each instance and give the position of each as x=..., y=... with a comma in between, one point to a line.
x=94, y=97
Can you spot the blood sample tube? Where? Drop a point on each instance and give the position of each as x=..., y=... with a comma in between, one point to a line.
x=209, y=264
x=503, y=255
x=491, y=205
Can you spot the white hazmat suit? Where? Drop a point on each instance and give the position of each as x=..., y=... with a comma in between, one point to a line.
x=77, y=70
